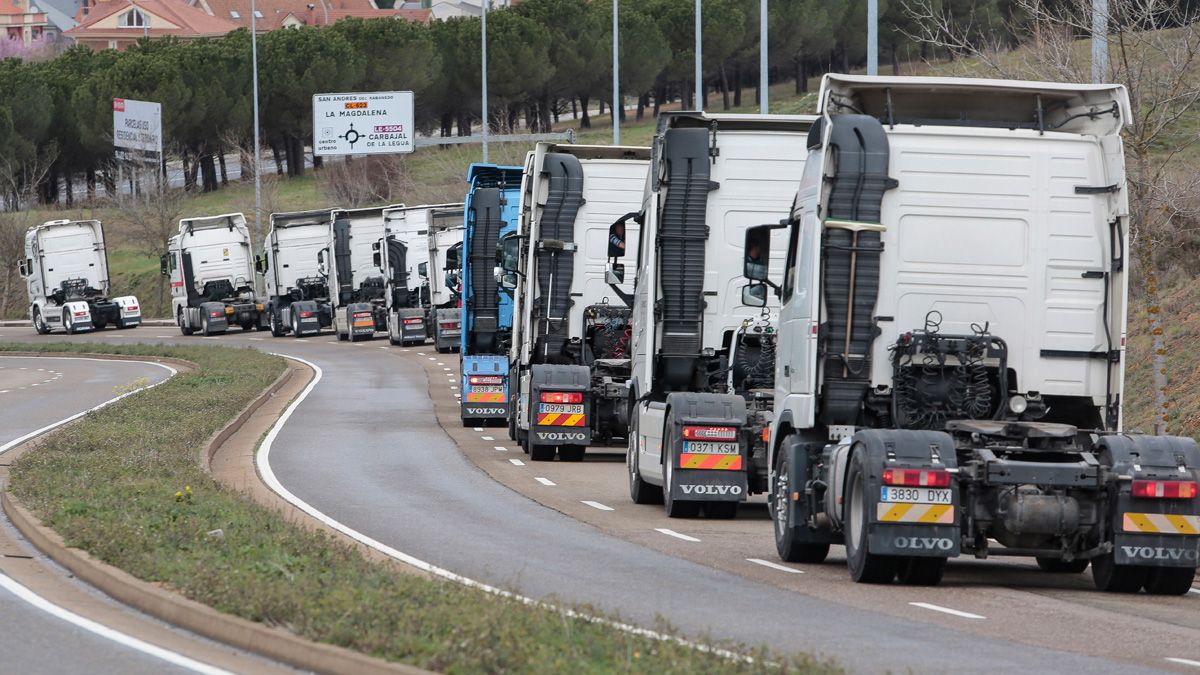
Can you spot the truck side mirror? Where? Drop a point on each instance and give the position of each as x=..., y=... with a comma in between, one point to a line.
x=164, y=267
x=21, y=269
x=321, y=269
x=509, y=251
x=754, y=295
x=505, y=279
x=259, y=265
x=377, y=259
x=616, y=234
x=757, y=252
x=615, y=273
x=423, y=270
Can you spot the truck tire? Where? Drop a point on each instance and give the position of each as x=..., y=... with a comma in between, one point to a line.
x=184, y=328
x=296, y=325
x=39, y=322
x=921, y=571
x=1056, y=566
x=865, y=567
x=538, y=453
x=68, y=325
x=571, y=453
x=788, y=541
x=276, y=329
x=204, y=329
x=1170, y=580
x=676, y=508
x=721, y=510
x=640, y=491
x=1114, y=578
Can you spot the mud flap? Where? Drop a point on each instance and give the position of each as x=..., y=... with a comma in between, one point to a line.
x=1153, y=532
x=485, y=403
x=306, y=324
x=920, y=530
x=555, y=428
x=81, y=316
x=215, y=312
x=129, y=312
x=725, y=479
x=360, y=317
x=412, y=324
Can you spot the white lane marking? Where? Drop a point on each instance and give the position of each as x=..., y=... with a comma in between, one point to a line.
x=13, y=443
x=440, y=363
x=500, y=448
x=487, y=438
x=597, y=505
x=673, y=533
x=255, y=339
x=383, y=347
x=946, y=610
x=331, y=342
x=453, y=386
x=478, y=428
x=446, y=368
x=4, y=391
x=1190, y=590
x=163, y=336
x=263, y=462
x=35, y=384
x=544, y=481
x=774, y=566
x=1183, y=662
x=517, y=462
x=432, y=359
x=104, y=631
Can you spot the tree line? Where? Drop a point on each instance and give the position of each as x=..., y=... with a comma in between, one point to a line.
x=546, y=57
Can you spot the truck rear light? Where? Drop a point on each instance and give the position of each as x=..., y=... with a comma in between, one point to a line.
x=917, y=477
x=131, y=308
x=449, y=325
x=83, y=313
x=362, y=315
x=710, y=433
x=217, y=313
x=412, y=322
x=486, y=379
x=1164, y=489
x=306, y=315
x=562, y=397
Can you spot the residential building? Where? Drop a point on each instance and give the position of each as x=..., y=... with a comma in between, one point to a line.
x=116, y=24
x=274, y=14
x=22, y=20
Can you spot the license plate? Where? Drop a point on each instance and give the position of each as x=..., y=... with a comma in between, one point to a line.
x=917, y=495
x=487, y=389
x=561, y=408
x=706, y=448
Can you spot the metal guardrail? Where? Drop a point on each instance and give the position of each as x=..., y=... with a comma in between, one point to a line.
x=568, y=136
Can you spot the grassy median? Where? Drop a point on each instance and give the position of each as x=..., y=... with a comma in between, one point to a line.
x=125, y=485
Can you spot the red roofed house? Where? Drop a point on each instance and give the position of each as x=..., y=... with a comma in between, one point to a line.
x=274, y=14
x=22, y=20
x=116, y=24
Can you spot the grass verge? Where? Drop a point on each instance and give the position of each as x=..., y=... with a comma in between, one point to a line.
x=109, y=485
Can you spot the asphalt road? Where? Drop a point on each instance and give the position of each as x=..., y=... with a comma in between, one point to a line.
x=367, y=450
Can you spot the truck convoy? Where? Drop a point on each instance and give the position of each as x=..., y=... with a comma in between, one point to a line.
x=491, y=211
x=297, y=292
x=711, y=177
x=441, y=275
x=66, y=276
x=405, y=255
x=569, y=353
x=950, y=350
x=212, y=276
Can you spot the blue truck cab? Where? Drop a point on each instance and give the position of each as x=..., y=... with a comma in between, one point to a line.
x=491, y=211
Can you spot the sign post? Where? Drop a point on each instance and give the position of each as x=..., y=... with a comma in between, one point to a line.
x=375, y=123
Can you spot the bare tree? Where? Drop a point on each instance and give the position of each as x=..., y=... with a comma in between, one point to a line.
x=153, y=217
x=1154, y=51
x=365, y=180
x=12, y=247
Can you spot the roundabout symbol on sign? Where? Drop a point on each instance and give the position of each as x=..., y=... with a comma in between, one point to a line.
x=351, y=136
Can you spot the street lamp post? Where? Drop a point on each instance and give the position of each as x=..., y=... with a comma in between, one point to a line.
x=1099, y=40
x=257, y=145
x=872, y=37
x=699, y=69
x=763, y=80
x=485, y=107
x=616, y=80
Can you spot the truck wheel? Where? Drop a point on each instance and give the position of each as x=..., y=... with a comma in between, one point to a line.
x=1170, y=580
x=296, y=325
x=640, y=491
x=1114, y=578
x=276, y=328
x=676, y=508
x=39, y=323
x=571, y=453
x=204, y=329
x=512, y=424
x=1056, y=566
x=787, y=534
x=247, y=326
x=921, y=571
x=183, y=326
x=68, y=325
x=865, y=567
x=538, y=453
x=99, y=325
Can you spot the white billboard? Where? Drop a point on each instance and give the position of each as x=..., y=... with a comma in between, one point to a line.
x=137, y=129
x=376, y=123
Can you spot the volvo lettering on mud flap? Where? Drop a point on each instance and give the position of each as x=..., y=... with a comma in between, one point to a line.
x=485, y=411
x=1160, y=553
x=923, y=543
x=711, y=489
x=562, y=436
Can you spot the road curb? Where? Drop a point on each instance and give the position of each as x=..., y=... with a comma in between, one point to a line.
x=18, y=323
x=274, y=643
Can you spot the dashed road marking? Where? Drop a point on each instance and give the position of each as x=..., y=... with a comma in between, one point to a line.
x=331, y=342
x=453, y=387
x=597, y=505
x=774, y=566
x=478, y=428
x=255, y=339
x=381, y=347
x=500, y=448
x=517, y=462
x=440, y=363
x=946, y=610
x=1184, y=662
x=1190, y=590
x=544, y=481
x=673, y=533
x=432, y=359
x=163, y=336
x=488, y=438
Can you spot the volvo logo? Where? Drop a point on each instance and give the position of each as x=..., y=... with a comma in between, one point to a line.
x=923, y=543
x=711, y=489
x=562, y=436
x=486, y=411
x=1160, y=553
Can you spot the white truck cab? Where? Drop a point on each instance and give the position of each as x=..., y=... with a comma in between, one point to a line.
x=211, y=268
x=293, y=271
